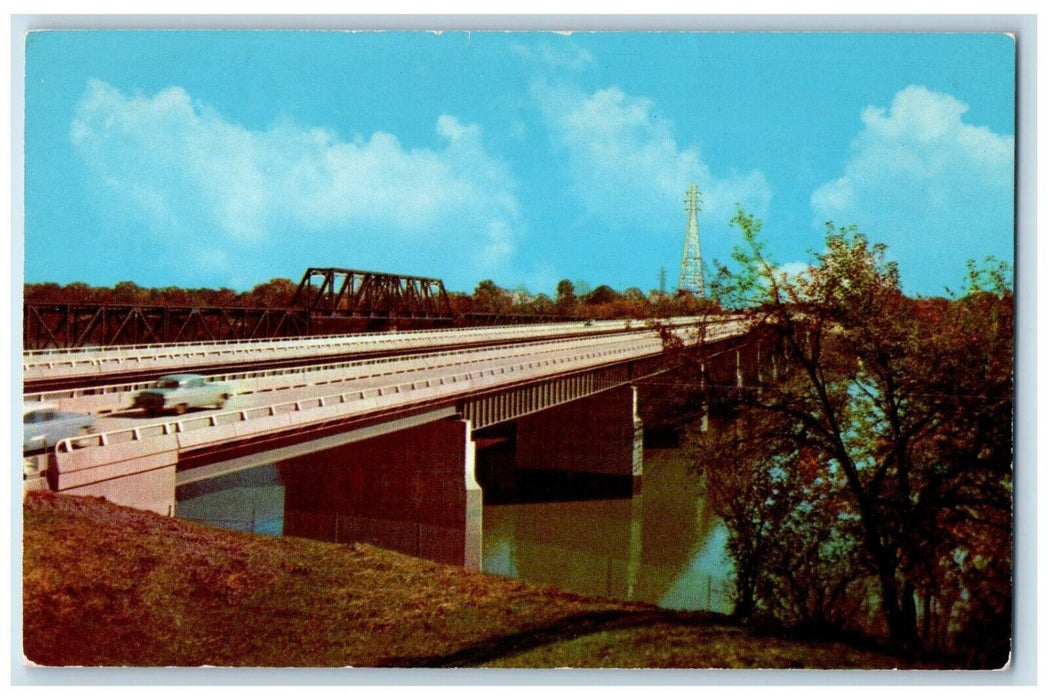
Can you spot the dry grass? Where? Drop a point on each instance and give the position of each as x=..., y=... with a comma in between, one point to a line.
x=112, y=586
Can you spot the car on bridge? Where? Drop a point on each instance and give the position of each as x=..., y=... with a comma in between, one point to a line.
x=44, y=426
x=180, y=392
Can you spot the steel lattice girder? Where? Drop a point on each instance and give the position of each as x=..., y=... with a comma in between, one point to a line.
x=332, y=291
x=51, y=325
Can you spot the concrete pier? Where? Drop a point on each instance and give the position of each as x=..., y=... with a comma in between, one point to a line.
x=600, y=435
x=413, y=491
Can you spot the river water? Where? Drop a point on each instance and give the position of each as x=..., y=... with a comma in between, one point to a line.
x=663, y=546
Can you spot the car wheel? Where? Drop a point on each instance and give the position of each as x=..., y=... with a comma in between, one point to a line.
x=222, y=400
x=180, y=409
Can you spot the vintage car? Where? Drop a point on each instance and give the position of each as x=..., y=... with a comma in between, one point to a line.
x=180, y=392
x=43, y=425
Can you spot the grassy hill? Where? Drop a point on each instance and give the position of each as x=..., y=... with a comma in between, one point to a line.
x=111, y=586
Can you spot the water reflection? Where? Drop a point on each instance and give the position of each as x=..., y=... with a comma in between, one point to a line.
x=247, y=501
x=662, y=547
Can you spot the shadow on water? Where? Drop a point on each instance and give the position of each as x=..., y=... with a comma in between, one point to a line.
x=582, y=534
x=246, y=501
x=662, y=546
x=504, y=483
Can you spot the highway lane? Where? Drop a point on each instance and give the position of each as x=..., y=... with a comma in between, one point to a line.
x=75, y=367
x=57, y=369
x=322, y=395
x=367, y=380
x=115, y=397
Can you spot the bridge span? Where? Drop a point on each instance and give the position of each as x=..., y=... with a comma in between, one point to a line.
x=82, y=367
x=382, y=448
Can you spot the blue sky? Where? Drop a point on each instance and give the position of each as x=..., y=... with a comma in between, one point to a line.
x=230, y=158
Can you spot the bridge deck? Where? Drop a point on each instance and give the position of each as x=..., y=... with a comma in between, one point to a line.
x=354, y=389
x=94, y=365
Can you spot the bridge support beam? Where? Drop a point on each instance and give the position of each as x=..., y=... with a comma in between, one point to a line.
x=601, y=435
x=412, y=491
x=135, y=474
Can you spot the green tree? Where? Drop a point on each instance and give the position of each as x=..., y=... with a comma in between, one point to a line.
x=877, y=454
x=223, y=296
x=128, y=292
x=43, y=292
x=78, y=293
x=565, y=299
x=602, y=295
x=461, y=303
x=542, y=305
x=489, y=297
x=174, y=296
x=277, y=293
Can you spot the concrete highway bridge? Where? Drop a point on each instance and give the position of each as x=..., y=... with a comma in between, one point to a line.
x=376, y=435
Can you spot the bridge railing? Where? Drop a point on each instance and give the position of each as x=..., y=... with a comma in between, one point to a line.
x=116, y=397
x=97, y=363
x=227, y=343
x=306, y=340
x=246, y=422
x=100, y=362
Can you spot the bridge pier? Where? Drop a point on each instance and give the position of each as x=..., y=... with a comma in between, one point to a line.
x=412, y=491
x=600, y=435
x=740, y=365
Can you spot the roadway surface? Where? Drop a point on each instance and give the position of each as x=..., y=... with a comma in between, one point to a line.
x=45, y=370
x=335, y=390
x=369, y=376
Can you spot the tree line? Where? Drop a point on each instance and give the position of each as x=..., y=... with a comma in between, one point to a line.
x=570, y=299
x=573, y=299
x=866, y=481
x=276, y=293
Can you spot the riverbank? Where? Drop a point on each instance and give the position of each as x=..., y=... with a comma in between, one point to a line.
x=112, y=586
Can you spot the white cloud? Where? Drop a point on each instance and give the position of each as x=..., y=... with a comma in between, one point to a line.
x=626, y=165
x=190, y=175
x=937, y=190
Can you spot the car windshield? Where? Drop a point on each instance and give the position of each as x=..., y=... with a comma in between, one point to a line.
x=167, y=384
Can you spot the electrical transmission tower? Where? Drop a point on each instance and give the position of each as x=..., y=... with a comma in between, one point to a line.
x=691, y=261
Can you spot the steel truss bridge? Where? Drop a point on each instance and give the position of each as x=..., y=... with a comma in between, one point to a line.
x=327, y=301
